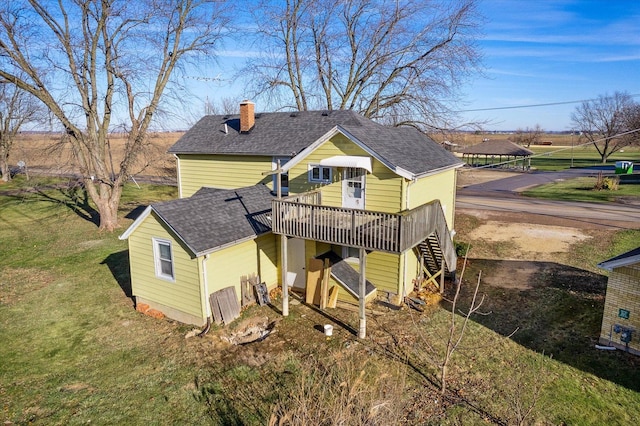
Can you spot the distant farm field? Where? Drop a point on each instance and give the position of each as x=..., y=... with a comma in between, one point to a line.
x=49, y=153
x=466, y=139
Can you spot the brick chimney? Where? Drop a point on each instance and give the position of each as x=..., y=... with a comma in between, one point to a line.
x=247, y=116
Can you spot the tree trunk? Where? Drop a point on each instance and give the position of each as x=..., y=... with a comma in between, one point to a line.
x=443, y=379
x=106, y=197
x=4, y=168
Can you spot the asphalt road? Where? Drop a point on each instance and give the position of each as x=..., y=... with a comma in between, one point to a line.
x=503, y=195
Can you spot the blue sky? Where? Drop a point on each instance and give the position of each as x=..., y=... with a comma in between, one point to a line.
x=535, y=52
x=539, y=52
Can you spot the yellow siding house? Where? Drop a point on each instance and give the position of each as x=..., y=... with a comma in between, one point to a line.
x=183, y=250
x=377, y=201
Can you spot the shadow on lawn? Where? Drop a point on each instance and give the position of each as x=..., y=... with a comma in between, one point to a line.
x=558, y=312
x=71, y=195
x=118, y=264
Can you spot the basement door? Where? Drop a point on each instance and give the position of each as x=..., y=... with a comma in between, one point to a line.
x=353, y=180
x=296, y=263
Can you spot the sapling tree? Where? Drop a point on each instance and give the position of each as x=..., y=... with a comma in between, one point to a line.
x=458, y=325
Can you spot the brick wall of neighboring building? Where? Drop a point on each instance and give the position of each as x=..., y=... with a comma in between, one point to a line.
x=623, y=292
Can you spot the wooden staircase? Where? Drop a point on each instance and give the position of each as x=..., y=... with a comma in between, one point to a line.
x=432, y=262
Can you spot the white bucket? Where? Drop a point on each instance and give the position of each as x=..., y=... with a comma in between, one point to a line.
x=328, y=330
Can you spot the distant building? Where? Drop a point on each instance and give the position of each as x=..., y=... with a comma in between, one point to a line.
x=497, y=153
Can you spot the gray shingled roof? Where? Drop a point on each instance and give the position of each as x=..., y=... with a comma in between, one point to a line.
x=212, y=218
x=497, y=147
x=629, y=258
x=286, y=134
x=346, y=275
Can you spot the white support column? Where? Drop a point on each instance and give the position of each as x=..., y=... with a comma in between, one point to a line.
x=285, y=285
x=362, y=332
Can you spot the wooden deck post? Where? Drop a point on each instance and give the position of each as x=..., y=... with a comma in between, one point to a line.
x=285, y=285
x=362, y=332
x=442, y=271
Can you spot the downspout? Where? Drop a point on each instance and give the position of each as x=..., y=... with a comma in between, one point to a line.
x=205, y=283
x=406, y=195
x=404, y=255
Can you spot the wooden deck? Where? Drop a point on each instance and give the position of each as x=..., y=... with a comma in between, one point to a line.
x=303, y=216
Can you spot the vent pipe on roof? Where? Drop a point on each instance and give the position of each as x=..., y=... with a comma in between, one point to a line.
x=247, y=116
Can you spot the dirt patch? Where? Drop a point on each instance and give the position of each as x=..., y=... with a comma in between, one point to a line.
x=530, y=238
x=512, y=275
x=520, y=253
x=471, y=176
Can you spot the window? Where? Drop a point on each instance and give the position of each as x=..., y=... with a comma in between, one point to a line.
x=319, y=173
x=284, y=177
x=353, y=172
x=163, y=259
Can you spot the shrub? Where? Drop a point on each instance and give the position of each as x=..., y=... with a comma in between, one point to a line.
x=462, y=248
x=606, y=183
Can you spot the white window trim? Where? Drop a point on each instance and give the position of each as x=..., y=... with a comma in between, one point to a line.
x=274, y=166
x=321, y=168
x=157, y=259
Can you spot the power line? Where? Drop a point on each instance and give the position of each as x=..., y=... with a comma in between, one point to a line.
x=532, y=105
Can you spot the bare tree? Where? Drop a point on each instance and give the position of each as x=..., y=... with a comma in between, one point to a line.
x=92, y=62
x=528, y=136
x=603, y=121
x=399, y=62
x=17, y=108
x=226, y=105
x=456, y=330
x=631, y=119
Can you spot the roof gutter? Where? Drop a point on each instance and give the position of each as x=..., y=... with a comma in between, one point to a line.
x=229, y=244
x=439, y=170
x=610, y=265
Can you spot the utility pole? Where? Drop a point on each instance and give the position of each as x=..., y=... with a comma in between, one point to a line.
x=571, y=148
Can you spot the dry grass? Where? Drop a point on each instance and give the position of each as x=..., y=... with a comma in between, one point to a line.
x=467, y=139
x=49, y=153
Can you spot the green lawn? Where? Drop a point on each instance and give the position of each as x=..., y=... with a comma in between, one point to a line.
x=75, y=351
x=552, y=158
x=582, y=189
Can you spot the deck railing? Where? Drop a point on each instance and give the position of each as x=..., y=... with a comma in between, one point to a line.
x=421, y=222
x=303, y=216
